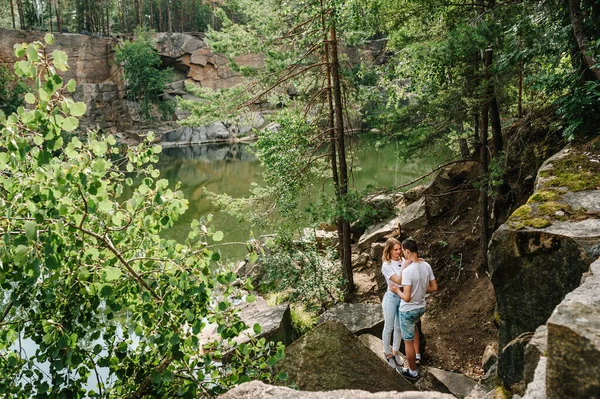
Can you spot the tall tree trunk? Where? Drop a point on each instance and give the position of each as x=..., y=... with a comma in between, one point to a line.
x=136, y=7
x=581, y=37
x=57, y=9
x=12, y=14
x=50, y=14
x=332, y=132
x=520, y=89
x=343, y=168
x=151, y=15
x=483, y=159
x=169, y=17
x=21, y=15
x=161, y=23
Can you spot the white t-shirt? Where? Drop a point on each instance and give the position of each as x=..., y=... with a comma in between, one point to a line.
x=417, y=275
x=389, y=268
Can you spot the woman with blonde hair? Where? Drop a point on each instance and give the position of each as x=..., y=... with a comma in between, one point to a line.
x=392, y=265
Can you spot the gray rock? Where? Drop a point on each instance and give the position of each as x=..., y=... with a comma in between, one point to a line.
x=459, y=384
x=531, y=272
x=574, y=342
x=331, y=357
x=359, y=318
x=260, y=390
x=413, y=217
x=375, y=344
x=377, y=251
x=276, y=323
x=535, y=349
x=536, y=389
x=532, y=269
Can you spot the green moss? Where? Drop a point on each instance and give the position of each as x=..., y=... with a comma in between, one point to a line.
x=521, y=212
x=550, y=208
x=543, y=196
x=575, y=172
x=537, y=223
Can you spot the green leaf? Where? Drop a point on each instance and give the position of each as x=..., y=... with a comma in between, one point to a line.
x=32, y=54
x=49, y=38
x=60, y=60
x=250, y=298
x=77, y=109
x=71, y=123
x=257, y=329
x=29, y=98
x=112, y=273
x=31, y=229
x=218, y=236
x=71, y=85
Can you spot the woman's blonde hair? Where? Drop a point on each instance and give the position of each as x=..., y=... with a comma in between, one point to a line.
x=387, y=249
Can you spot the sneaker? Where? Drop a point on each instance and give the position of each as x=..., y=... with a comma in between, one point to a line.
x=405, y=372
x=398, y=359
x=391, y=362
x=418, y=358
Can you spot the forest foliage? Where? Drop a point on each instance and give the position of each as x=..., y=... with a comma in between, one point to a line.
x=95, y=302
x=458, y=72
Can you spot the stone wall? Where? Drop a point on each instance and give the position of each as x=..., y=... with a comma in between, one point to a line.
x=91, y=64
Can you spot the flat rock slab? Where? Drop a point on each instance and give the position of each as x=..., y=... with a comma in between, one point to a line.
x=459, y=384
x=359, y=318
x=260, y=390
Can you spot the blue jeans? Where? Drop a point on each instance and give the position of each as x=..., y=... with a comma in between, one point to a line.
x=391, y=322
x=408, y=320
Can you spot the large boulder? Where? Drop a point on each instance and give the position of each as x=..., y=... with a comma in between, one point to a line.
x=573, y=367
x=260, y=390
x=331, y=357
x=539, y=255
x=359, y=318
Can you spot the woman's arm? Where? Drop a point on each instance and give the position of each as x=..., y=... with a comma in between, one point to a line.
x=405, y=294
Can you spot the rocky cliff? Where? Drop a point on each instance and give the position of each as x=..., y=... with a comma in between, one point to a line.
x=538, y=257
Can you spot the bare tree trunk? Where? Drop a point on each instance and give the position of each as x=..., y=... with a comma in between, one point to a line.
x=343, y=168
x=57, y=9
x=170, y=21
x=160, y=17
x=21, y=16
x=12, y=14
x=483, y=159
x=520, y=89
x=151, y=14
x=332, y=132
x=581, y=37
x=50, y=14
x=136, y=7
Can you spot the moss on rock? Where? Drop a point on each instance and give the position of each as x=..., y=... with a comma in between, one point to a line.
x=576, y=172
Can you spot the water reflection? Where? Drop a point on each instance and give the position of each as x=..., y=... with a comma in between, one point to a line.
x=232, y=168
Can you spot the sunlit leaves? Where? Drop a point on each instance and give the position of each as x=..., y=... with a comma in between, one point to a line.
x=92, y=283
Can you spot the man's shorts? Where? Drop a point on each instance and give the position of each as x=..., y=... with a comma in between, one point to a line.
x=408, y=321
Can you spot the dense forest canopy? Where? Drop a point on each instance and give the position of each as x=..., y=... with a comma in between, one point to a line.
x=108, y=17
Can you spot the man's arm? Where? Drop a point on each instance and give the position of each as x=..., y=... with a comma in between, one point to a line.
x=432, y=287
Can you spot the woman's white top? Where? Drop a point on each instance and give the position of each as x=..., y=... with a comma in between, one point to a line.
x=389, y=268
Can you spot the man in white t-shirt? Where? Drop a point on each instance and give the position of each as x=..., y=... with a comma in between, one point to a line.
x=417, y=280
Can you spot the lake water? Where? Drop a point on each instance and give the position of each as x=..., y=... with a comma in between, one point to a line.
x=232, y=169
